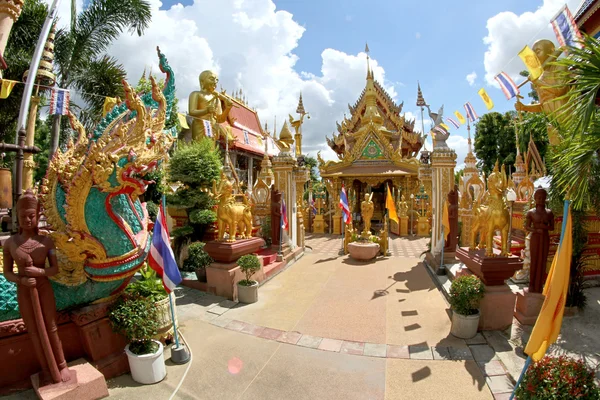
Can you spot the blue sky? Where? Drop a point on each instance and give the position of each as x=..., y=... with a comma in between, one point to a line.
x=275, y=49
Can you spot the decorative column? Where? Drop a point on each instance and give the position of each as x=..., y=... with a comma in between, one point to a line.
x=443, y=161
x=10, y=10
x=261, y=192
x=44, y=77
x=465, y=209
x=301, y=175
x=283, y=168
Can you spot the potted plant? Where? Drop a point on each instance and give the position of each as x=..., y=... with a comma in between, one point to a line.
x=558, y=378
x=248, y=288
x=150, y=286
x=466, y=293
x=136, y=318
x=197, y=261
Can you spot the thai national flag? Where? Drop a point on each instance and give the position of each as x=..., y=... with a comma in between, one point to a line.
x=453, y=122
x=566, y=29
x=284, y=218
x=471, y=114
x=507, y=85
x=344, y=206
x=161, y=257
x=59, y=102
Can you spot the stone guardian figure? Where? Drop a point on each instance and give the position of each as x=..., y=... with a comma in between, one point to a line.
x=539, y=222
x=29, y=251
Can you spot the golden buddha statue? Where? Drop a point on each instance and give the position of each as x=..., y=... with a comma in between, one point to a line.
x=403, y=207
x=366, y=211
x=208, y=107
x=550, y=86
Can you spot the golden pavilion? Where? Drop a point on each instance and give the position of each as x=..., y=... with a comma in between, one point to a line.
x=376, y=146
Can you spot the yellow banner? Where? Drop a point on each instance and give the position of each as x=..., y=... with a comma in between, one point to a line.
x=7, y=86
x=531, y=62
x=109, y=103
x=547, y=327
x=391, y=206
x=445, y=220
x=182, y=121
x=446, y=127
x=461, y=119
x=486, y=99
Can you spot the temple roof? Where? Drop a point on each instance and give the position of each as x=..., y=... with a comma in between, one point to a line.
x=376, y=133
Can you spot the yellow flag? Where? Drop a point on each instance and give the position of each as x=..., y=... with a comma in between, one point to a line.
x=7, y=86
x=391, y=207
x=461, y=119
x=531, y=62
x=547, y=327
x=109, y=103
x=445, y=219
x=182, y=121
x=486, y=99
x=446, y=127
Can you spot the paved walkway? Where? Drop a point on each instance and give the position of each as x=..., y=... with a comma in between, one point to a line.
x=328, y=327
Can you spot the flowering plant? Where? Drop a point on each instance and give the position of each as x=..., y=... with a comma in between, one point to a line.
x=466, y=293
x=558, y=378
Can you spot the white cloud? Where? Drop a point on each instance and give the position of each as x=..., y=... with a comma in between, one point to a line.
x=508, y=33
x=418, y=35
x=460, y=145
x=471, y=78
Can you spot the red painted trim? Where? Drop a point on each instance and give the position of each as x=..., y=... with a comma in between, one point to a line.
x=135, y=210
x=118, y=220
x=118, y=262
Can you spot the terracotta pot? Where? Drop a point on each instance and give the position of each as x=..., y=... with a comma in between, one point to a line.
x=464, y=326
x=363, y=251
x=248, y=294
x=201, y=274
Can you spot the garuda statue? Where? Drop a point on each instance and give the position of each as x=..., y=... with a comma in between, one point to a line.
x=90, y=197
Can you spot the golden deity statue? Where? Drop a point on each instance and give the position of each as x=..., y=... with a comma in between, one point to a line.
x=209, y=108
x=403, y=207
x=367, y=208
x=494, y=215
x=383, y=239
x=232, y=216
x=551, y=86
x=348, y=236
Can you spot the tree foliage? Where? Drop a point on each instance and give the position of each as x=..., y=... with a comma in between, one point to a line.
x=495, y=141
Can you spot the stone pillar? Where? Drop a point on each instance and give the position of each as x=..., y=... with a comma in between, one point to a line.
x=283, y=168
x=9, y=13
x=301, y=176
x=28, y=163
x=443, y=162
x=250, y=173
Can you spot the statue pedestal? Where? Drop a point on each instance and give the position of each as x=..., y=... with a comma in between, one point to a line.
x=497, y=308
x=394, y=227
x=528, y=307
x=318, y=224
x=423, y=227
x=228, y=252
x=403, y=226
x=498, y=305
x=87, y=383
x=223, y=278
x=491, y=270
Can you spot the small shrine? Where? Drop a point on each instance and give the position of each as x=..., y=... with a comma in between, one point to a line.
x=376, y=146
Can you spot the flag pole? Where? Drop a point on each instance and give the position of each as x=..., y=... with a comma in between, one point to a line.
x=179, y=354
x=527, y=362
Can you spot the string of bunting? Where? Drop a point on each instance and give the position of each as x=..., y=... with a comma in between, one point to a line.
x=567, y=34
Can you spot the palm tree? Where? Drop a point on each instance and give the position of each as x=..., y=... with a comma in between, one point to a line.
x=81, y=59
x=576, y=160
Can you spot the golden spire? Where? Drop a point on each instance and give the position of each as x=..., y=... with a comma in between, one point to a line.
x=369, y=71
x=372, y=112
x=300, y=109
x=45, y=76
x=420, y=99
x=285, y=138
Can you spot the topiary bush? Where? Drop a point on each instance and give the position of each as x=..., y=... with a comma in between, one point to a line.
x=558, y=378
x=466, y=293
x=136, y=318
x=249, y=264
x=197, y=258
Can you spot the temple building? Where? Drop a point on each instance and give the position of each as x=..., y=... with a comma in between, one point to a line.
x=376, y=146
x=587, y=17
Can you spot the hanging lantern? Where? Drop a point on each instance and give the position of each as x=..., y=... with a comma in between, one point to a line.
x=5, y=188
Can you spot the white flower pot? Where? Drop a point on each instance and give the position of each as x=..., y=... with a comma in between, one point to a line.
x=248, y=294
x=464, y=326
x=147, y=368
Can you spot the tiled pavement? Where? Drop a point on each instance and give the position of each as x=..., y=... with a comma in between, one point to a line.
x=399, y=246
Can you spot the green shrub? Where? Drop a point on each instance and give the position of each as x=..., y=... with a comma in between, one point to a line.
x=152, y=210
x=149, y=286
x=202, y=217
x=466, y=293
x=136, y=318
x=249, y=264
x=197, y=258
x=558, y=378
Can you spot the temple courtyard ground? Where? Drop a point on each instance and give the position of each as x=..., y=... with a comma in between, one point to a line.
x=328, y=327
